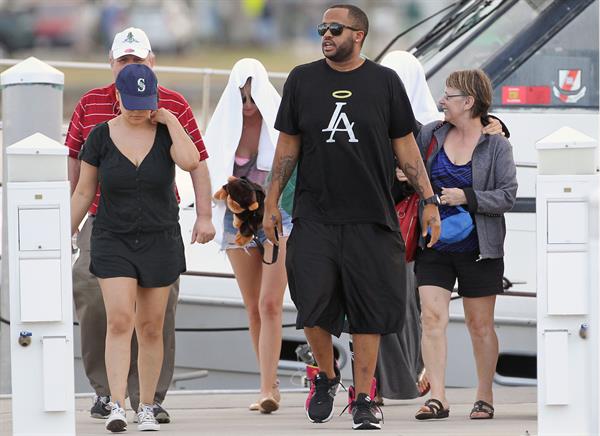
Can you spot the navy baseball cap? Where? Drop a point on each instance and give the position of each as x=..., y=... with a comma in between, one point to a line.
x=138, y=87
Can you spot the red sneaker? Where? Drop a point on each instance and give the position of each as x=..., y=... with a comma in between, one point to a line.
x=352, y=393
x=311, y=373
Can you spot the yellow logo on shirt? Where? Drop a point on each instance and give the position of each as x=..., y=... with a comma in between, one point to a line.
x=341, y=94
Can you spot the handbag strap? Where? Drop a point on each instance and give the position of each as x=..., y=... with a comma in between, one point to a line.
x=432, y=143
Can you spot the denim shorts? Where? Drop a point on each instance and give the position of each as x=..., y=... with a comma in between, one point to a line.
x=230, y=231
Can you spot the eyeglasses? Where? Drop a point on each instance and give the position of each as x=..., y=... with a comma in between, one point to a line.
x=449, y=96
x=336, y=29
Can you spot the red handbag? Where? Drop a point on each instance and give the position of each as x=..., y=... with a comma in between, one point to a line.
x=407, y=211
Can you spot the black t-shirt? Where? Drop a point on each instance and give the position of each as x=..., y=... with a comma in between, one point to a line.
x=133, y=199
x=345, y=120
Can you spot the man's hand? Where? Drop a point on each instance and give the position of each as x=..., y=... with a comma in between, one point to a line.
x=493, y=128
x=453, y=197
x=272, y=220
x=431, y=220
x=203, y=230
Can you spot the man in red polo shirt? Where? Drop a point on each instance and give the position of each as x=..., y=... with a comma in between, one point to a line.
x=96, y=106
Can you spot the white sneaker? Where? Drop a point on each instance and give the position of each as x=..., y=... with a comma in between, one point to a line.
x=117, y=421
x=145, y=418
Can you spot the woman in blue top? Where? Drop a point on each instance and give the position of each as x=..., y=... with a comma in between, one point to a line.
x=475, y=177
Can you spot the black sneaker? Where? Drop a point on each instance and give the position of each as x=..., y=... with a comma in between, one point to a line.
x=311, y=372
x=320, y=406
x=161, y=415
x=363, y=414
x=101, y=408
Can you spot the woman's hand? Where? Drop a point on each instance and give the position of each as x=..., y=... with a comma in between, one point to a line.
x=400, y=175
x=453, y=197
x=161, y=115
x=203, y=230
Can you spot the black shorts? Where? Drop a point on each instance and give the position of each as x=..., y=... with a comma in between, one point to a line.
x=346, y=270
x=155, y=259
x=476, y=278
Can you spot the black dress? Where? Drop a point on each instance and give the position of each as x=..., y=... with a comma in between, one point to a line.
x=399, y=361
x=136, y=232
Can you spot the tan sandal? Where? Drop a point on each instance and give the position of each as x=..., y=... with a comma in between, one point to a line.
x=268, y=405
x=254, y=407
x=275, y=392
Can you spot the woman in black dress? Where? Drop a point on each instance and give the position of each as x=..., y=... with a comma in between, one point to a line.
x=136, y=246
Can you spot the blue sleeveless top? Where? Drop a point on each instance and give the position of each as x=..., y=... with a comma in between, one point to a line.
x=444, y=174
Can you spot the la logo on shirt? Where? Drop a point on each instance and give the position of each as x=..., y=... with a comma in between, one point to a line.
x=339, y=121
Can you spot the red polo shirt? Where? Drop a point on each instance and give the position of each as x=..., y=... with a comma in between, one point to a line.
x=100, y=105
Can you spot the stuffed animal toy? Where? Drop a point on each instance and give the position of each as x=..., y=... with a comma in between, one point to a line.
x=246, y=200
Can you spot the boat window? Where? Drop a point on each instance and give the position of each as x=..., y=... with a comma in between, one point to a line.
x=563, y=73
x=492, y=39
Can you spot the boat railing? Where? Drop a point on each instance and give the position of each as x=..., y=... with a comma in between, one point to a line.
x=206, y=75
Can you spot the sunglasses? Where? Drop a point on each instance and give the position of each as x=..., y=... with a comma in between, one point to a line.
x=336, y=29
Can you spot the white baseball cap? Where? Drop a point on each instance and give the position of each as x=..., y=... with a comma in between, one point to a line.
x=131, y=41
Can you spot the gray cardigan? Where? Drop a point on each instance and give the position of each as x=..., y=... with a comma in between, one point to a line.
x=494, y=187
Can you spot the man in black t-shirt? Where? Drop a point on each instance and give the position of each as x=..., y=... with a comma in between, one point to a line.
x=342, y=120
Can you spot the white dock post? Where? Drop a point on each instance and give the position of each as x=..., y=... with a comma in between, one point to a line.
x=32, y=101
x=39, y=262
x=567, y=284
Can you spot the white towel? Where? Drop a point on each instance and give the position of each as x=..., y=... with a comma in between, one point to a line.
x=225, y=128
x=411, y=72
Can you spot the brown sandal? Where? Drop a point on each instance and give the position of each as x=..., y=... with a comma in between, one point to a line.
x=436, y=410
x=481, y=406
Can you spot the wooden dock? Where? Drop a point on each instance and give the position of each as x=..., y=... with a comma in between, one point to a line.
x=197, y=413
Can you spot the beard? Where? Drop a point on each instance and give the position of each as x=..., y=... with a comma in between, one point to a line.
x=343, y=51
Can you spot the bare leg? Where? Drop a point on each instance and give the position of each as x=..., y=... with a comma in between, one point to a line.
x=366, y=347
x=479, y=317
x=119, y=300
x=274, y=280
x=151, y=305
x=435, y=303
x=247, y=269
x=322, y=347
